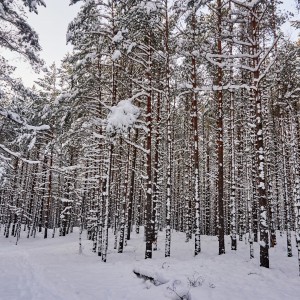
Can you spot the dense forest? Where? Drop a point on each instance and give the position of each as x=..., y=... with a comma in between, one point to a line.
x=168, y=115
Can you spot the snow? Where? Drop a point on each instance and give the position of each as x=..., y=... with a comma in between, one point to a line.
x=118, y=37
x=262, y=243
x=16, y=154
x=129, y=48
x=149, y=6
x=261, y=185
x=32, y=143
x=2, y=12
x=159, y=275
x=17, y=118
x=248, y=4
x=2, y=169
x=263, y=217
x=52, y=269
x=116, y=55
x=122, y=117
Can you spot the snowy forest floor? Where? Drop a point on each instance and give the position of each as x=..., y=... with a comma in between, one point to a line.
x=38, y=269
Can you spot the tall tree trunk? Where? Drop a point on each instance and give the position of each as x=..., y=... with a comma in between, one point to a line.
x=260, y=153
x=156, y=173
x=106, y=199
x=220, y=147
x=286, y=200
x=47, y=209
x=195, y=143
x=132, y=187
x=169, y=140
x=148, y=221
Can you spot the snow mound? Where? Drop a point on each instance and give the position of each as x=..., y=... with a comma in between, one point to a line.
x=157, y=276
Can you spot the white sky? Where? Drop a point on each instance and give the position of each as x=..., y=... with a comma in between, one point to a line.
x=51, y=24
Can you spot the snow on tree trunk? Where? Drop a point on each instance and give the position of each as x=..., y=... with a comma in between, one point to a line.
x=233, y=232
x=123, y=207
x=148, y=221
x=233, y=222
x=220, y=129
x=285, y=188
x=195, y=143
x=169, y=139
x=132, y=187
x=106, y=202
x=47, y=209
x=261, y=180
x=296, y=158
x=249, y=205
x=156, y=173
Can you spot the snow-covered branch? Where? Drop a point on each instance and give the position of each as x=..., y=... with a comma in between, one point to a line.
x=19, y=120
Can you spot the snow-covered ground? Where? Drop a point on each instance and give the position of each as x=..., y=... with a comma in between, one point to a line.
x=52, y=269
